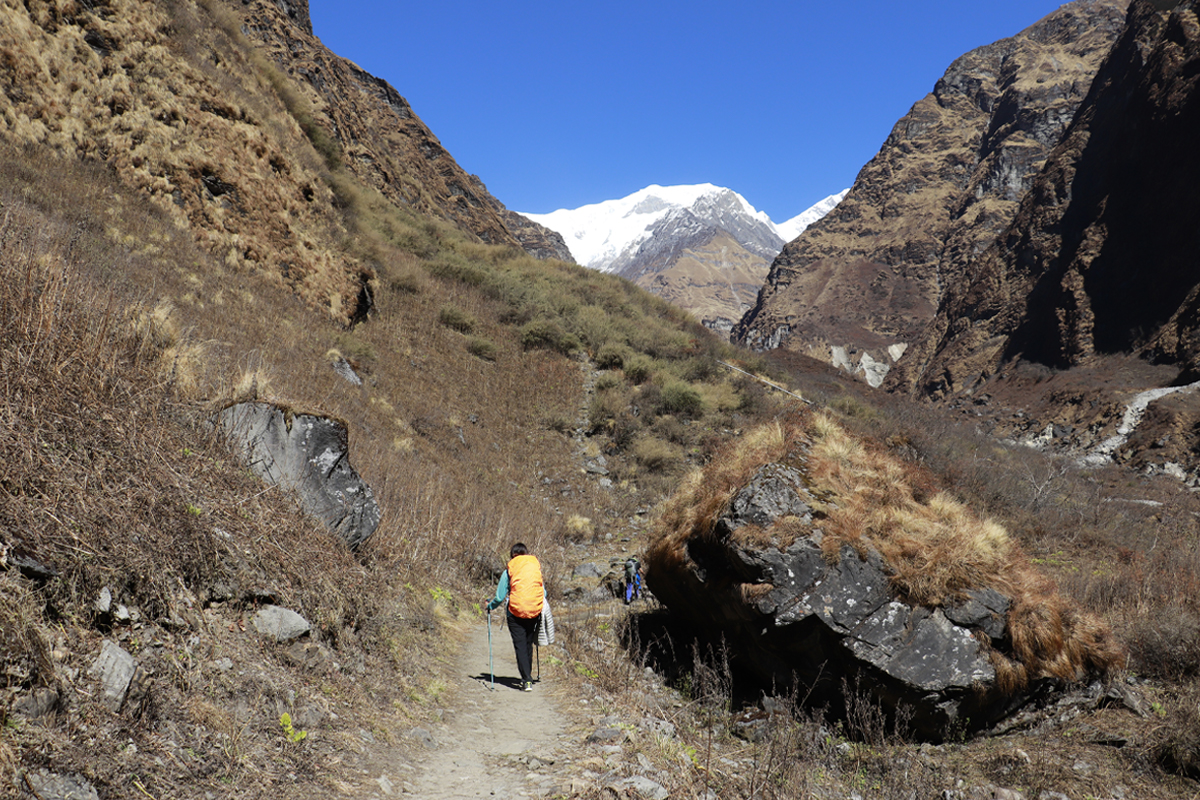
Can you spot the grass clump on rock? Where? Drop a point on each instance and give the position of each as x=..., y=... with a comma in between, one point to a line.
x=934, y=548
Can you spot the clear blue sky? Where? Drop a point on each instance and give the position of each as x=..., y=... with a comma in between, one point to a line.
x=559, y=104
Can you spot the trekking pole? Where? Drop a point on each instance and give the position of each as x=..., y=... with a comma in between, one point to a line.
x=491, y=664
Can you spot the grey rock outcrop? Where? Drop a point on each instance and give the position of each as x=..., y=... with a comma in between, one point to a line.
x=46, y=785
x=308, y=455
x=793, y=618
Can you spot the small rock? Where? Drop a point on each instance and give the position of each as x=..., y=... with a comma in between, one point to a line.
x=280, y=623
x=606, y=733
x=588, y=570
x=424, y=737
x=115, y=668
x=37, y=705
x=104, y=601
x=51, y=786
x=1001, y=793
x=644, y=787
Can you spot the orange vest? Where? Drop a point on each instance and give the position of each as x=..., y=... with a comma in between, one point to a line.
x=525, y=587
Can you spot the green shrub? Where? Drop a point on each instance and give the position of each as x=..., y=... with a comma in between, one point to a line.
x=612, y=356
x=354, y=348
x=656, y=455
x=457, y=319
x=639, y=369
x=405, y=282
x=605, y=407
x=607, y=381
x=699, y=368
x=678, y=397
x=481, y=348
x=549, y=335
x=455, y=267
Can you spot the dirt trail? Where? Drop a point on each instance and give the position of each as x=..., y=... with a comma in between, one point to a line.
x=495, y=743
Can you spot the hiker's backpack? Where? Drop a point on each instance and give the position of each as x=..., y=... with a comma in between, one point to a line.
x=525, y=591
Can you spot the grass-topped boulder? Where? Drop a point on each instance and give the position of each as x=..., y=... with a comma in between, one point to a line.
x=837, y=571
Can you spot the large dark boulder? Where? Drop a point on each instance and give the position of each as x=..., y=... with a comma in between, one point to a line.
x=793, y=617
x=308, y=455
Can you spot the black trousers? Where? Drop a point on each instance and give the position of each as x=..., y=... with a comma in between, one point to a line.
x=524, y=635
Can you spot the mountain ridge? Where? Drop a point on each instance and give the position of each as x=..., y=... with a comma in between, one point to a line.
x=945, y=182
x=661, y=238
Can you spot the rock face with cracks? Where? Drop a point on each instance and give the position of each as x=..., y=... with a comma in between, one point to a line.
x=796, y=620
x=948, y=180
x=309, y=455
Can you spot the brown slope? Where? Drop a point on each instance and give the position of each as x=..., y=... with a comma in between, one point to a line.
x=946, y=181
x=174, y=100
x=1101, y=257
x=715, y=279
x=383, y=142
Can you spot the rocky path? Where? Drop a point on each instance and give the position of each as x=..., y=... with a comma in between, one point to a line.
x=499, y=742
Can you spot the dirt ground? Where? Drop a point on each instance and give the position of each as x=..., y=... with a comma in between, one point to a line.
x=494, y=740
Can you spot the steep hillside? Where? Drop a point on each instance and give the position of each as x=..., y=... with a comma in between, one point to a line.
x=1099, y=262
x=947, y=180
x=179, y=232
x=173, y=100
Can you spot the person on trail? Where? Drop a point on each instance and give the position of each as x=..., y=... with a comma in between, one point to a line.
x=633, y=580
x=521, y=585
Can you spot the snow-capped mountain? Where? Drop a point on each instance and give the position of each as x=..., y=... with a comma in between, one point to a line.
x=795, y=226
x=606, y=236
x=703, y=248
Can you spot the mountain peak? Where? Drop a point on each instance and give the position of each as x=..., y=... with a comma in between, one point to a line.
x=607, y=235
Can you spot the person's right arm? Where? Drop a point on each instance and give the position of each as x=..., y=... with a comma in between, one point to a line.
x=501, y=592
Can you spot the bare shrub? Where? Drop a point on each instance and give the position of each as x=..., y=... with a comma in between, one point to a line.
x=1176, y=743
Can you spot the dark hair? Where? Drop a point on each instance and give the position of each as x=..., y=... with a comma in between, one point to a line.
x=518, y=549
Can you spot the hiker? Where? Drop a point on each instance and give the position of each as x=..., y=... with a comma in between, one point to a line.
x=521, y=585
x=633, y=580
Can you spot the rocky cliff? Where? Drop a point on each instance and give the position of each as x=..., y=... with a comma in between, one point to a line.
x=1101, y=256
x=946, y=182
x=234, y=118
